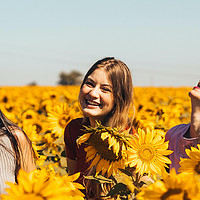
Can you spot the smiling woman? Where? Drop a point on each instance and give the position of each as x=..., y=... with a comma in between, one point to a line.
x=106, y=96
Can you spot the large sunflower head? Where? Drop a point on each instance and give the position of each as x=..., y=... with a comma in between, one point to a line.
x=183, y=186
x=44, y=184
x=106, y=148
x=29, y=116
x=191, y=164
x=60, y=116
x=148, y=153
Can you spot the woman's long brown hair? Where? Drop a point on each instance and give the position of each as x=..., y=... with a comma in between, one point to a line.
x=10, y=129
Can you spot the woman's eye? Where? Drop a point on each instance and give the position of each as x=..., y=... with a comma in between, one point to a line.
x=106, y=89
x=89, y=83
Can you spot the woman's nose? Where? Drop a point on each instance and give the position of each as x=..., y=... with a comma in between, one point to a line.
x=94, y=92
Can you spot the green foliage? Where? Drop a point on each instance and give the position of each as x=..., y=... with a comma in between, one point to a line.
x=119, y=189
x=99, y=178
x=58, y=158
x=72, y=78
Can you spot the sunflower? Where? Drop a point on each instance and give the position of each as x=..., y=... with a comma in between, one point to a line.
x=48, y=140
x=147, y=153
x=31, y=132
x=106, y=148
x=40, y=124
x=50, y=96
x=29, y=116
x=9, y=115
x=34, y=137
x=183, y=186
x=70, y=96
x=191, y=164
x=44, y=184
x=60, y=116
x=40, y=159
x=32, y=100
x=4, y=96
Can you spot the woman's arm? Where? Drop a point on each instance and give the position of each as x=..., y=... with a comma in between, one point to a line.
x=195, y=114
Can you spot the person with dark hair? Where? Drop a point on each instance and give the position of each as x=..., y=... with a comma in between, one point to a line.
x=15, y=152
x=106, y=96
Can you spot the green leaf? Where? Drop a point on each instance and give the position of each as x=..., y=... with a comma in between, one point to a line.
x=128, y=173
x=63, y=154
x=101, y=179
x=119, y=189
x=49, y=155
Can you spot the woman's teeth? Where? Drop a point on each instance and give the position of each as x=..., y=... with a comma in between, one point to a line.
x=92, y=103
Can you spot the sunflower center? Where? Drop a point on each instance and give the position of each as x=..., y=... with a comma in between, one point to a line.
x=9, y=109
x=146, y=153
x=38, y=128
x=102, y=148
x=5, y=99
x=53, y=96
x=63, y=121
x=29, y=116
x=197, y=168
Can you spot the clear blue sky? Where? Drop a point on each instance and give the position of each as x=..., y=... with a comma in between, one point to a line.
x=158, y=39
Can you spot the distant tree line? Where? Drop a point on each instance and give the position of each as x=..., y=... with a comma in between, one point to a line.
x=72, y=78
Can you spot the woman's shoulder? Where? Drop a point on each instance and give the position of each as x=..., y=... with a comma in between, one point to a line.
x=177, y=131
x=76, y=122
x=74, y=125
x=73, y=129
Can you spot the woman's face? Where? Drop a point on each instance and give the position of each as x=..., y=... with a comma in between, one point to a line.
x=96, y=96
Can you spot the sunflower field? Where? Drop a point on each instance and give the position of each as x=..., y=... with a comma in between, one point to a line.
x=43, y=113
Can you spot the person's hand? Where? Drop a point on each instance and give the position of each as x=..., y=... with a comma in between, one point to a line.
x=195, y=114
x=195, y=94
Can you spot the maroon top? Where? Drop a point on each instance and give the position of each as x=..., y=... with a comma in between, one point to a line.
x=72, y=132
x=178, y=144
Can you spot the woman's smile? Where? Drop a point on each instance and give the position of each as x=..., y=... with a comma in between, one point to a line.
x=92, y=103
